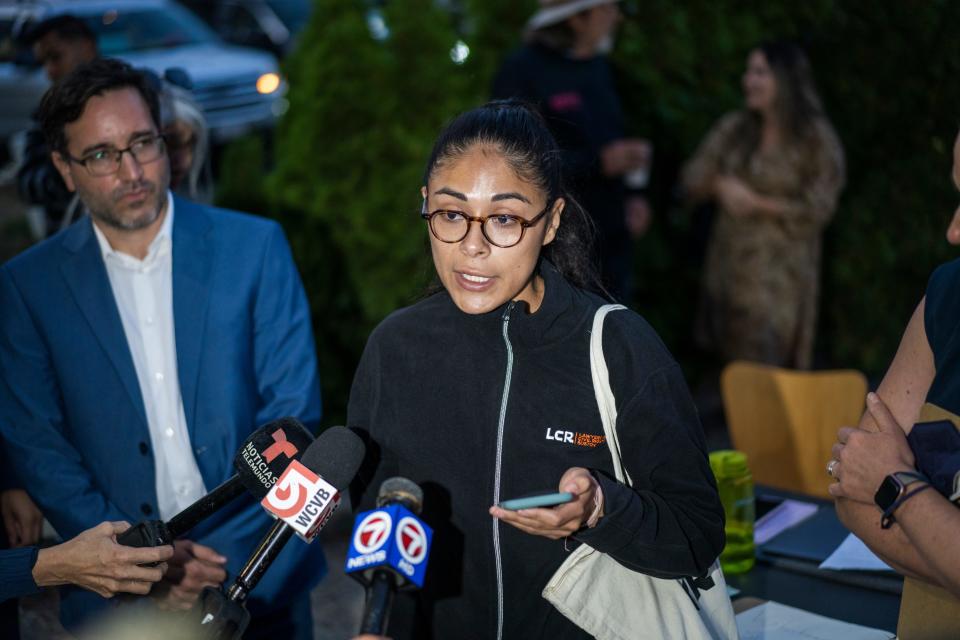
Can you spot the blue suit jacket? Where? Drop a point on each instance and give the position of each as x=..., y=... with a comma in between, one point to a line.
x=70, y=405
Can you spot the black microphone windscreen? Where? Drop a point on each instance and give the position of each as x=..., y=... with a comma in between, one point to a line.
x=267, y=451
x=335, y=456
x=398, y=489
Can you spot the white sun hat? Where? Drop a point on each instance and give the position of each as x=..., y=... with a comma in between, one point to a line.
x=553, y=11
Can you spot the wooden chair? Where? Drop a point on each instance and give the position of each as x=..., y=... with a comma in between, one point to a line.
x=786, y=421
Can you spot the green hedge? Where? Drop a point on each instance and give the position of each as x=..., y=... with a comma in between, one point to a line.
x=363, y=114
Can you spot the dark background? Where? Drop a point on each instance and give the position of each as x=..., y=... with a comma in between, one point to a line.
x=343, y=170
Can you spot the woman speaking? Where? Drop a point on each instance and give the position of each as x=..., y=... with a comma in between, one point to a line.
x=482, y=393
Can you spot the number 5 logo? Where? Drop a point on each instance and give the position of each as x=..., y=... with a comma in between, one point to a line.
x=290, y=493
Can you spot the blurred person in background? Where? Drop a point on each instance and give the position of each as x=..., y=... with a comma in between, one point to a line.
x=775, y=168
x=187, y=137
x=563, y=69
x=60, y=44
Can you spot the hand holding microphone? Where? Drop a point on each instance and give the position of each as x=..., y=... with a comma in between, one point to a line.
x=302, y=499
x=258, y=463
x=93, y=560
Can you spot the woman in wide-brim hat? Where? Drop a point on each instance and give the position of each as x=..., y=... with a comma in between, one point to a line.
x=556, y=11
x=563, y=70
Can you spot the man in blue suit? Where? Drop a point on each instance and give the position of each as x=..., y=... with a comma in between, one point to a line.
x=139, y=348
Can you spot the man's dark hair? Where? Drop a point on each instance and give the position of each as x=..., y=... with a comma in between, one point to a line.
x=66, y=26
x=65, y=101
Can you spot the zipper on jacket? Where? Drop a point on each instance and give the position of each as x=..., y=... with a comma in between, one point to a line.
x=496, y=472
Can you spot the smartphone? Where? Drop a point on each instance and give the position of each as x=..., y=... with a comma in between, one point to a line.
x=537, y=500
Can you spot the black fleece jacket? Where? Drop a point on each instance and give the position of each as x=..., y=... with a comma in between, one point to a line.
x=469, y=407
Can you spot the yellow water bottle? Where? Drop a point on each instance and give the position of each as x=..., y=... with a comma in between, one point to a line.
x=735, y=483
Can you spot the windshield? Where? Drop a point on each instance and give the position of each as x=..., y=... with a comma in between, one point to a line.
x=122, y=31
x=293, y=13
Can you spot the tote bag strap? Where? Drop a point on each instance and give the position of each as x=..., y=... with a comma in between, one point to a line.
x=707, y=594
x=601, y=388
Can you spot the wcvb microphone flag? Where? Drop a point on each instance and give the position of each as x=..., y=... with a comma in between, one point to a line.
x=302, y=499
x=390, y=537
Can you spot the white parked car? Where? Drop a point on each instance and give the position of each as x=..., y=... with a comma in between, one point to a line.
x=240, y=89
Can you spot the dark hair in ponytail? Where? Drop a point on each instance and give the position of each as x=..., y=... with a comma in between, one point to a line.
x=520, y=134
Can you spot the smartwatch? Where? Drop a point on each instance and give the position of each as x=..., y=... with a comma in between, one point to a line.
x=892, y=492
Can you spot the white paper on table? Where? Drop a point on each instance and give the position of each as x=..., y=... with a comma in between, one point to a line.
x=853, y=554
x=785, y=515
x=775, y=621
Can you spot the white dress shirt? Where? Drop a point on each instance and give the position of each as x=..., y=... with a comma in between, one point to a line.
x=143, y=290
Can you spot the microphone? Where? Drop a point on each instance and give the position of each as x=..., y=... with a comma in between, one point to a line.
x=258, y=463
x=388, y=551
x=302, y=500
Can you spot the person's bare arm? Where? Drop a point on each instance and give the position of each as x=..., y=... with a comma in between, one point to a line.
x=905, y=385
x=700, y=173
x=903, y=390
x=926, y=519
x=931, y=523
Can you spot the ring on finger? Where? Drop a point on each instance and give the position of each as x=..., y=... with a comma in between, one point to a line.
x=831, y=467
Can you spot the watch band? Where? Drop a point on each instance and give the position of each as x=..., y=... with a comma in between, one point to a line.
x=893, y=486
x=907, y=478
x=888, y=518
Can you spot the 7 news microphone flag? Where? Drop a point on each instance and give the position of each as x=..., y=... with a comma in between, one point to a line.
x=265, y=455
x=302, y=500
x=388, y=550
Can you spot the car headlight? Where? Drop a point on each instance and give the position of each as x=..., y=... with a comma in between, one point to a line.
x=268, y=83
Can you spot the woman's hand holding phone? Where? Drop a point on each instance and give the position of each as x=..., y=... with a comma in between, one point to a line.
x=562, y=520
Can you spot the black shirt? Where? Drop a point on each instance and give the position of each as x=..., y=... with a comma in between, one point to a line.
x=941, y=319
x=465, y=405
x=936, y=445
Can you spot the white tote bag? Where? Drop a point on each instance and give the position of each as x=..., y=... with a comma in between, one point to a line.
x=610, y=601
